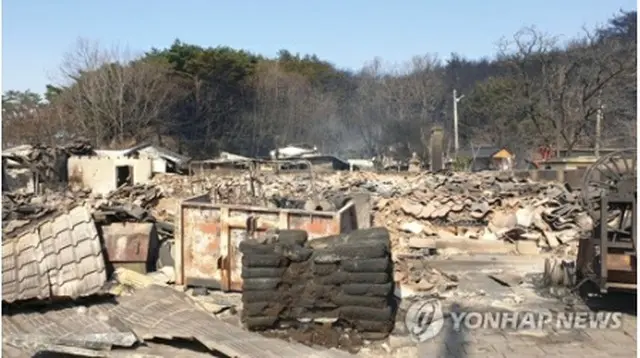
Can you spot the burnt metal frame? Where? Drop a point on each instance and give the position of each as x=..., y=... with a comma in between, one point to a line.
x=624, y=201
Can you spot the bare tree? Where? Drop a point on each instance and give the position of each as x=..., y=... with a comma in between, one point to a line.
x=560, y=87
x=414, y=97
x=112, y=96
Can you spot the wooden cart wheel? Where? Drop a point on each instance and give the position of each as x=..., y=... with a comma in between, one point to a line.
x=614, y=173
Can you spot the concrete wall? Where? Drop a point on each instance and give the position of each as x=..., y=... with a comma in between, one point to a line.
x=99, y=173
x=159, y=165
x=572, y=177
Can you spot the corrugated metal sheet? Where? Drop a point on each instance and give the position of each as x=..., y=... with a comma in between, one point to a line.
x=162, y=312
x=56, y=327
x=153, y=312
x=59, y=257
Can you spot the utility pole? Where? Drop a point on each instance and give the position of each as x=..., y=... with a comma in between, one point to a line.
x=598, y=126
x=456, y=99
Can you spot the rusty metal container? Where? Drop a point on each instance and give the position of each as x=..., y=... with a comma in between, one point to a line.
x=208, y=236
x=131, y=245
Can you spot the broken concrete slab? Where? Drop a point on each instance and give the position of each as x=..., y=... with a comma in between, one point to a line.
x=412, y=227
x=527, y=247
x=422, y=243
x=396, y=341
x=476, y=246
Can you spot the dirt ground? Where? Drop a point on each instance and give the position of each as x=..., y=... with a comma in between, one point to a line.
x=478, y=291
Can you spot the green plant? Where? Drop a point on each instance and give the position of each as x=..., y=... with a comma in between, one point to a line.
x=461, y=164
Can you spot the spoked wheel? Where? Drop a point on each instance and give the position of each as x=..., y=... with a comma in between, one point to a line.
x=612, y=174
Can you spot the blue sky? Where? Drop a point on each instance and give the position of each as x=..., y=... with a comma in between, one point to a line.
x=36, y=33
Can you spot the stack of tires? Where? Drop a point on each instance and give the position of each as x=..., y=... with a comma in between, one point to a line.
x=264, y=264
x=347, y=278
x=360, y=269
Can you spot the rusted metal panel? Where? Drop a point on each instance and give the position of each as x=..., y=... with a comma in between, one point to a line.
x=59, y=256
x=127, y=243
x=210, y=235
x=201, y=251
x=622, y=270
x=621, y=262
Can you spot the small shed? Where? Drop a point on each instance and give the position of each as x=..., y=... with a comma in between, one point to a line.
x=163, y=160
x=18, y=172
x=109, y=169
x=489, y=158
x=319, y=162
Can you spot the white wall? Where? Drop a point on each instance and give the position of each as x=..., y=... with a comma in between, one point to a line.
x=99, y=173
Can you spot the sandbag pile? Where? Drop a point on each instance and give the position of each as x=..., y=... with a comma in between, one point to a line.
x=344, y=279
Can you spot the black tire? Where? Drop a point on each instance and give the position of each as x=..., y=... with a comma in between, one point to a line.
x=250, y=247
x=324, y=269
x=368, y=278
x=261, y=296
x=320, y=291
x=350, y=252
x=324, y=313
x=376, y=235
x=254, y=309
x=371, y=235
x=260, y=284
x=315, y=304
x=361, y=301
x=296, y=254
x=373, y=326
x=362, y=289
x=262, y=309
x=334, y=279
x=260, y=323
x=321, y=257
x=366, y=265
x=353, y=313
x=262, y=272
x=361, y=250
x=272, y=260
x=292, y=237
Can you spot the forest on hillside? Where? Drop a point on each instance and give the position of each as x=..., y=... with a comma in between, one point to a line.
x=538, y=90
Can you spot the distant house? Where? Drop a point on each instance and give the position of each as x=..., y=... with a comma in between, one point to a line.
x=163, y=160
x=225, y=161
x=110, y=169
x=292, y=151
x=489, y=158
x=26, y=167
x=361, y=164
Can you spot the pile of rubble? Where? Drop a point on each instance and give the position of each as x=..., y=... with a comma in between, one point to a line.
x=48, y=162
x=419, y=209
x=126, y=204
x=485, y=207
